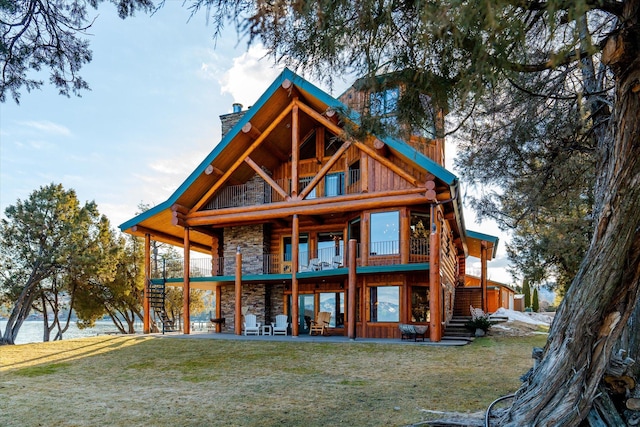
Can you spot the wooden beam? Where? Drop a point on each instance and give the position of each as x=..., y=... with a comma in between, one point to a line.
x=323, y=171
x=381, y=148
x=388, y=163
x=307, y=209
x=251, y=130
x=168, y=238
x=308, y=202
x=213, y=170
x=351, y=290
x=335, y=129
x=220, y=182
x=267, y=178
x=295, y=240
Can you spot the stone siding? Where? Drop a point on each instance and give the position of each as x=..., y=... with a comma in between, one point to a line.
x=265, y=301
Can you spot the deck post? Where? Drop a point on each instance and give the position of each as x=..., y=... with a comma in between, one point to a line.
x=435, y=288
x=146, y=306
x=351, y=296
x=238, y=290
x=186, y=290
x=295, y=249
x=483, y=274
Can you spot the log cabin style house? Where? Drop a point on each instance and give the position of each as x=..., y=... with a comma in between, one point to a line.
x=297, y=217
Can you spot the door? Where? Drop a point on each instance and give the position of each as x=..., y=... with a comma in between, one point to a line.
x=306, y=312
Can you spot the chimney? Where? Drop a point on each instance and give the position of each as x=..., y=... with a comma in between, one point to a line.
x=229, y=120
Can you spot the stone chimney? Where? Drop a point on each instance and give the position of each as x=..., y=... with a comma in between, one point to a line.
x=229, y=120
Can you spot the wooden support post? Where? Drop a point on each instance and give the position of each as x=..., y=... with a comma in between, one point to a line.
x=405, y=233
x=218, y=297
x=186, y=289
x=295, y=150
x=364, y=172
x=238, y=292
x=351, y=296
x=483, y=274
x=146, y=305
x=295, y=242
x=435, y=289
x=364, y=240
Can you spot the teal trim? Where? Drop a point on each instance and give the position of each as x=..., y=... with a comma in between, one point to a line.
x=397, y=268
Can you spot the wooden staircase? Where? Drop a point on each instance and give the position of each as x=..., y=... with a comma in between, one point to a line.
x=156, y=302
x=455, y=329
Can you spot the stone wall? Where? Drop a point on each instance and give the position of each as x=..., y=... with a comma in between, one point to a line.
x=254, y=245
x=265, y=301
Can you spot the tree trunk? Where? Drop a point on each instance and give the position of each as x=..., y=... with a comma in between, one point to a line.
x=604, y=293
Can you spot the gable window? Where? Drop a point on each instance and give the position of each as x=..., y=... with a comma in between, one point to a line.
x=334, y=184
x=331, y=144
x=384, y=105
x=308, y=147
x=384, y=233
x=354, y=172
x=304, y=181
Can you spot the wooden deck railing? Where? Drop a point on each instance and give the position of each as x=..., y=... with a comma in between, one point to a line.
x=381, y=253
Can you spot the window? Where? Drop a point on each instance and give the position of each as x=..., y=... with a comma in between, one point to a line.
x=385, y=102
x=334, y=184
x=331, y=144
x=331, y=249
x=385, y=303
x=354, y=233
x=308, y=147
x=303, y=183
x=420, y=225
x=354, y=173
x=303, y=249
x=420, y=304
x=385, y=233
x=333, y=302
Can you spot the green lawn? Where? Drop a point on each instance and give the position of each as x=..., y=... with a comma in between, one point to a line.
x=150, y=381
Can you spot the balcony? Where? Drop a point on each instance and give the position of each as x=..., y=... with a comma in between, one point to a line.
x=323, y=262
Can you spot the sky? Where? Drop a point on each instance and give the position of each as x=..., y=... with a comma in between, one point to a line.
x=158, y=86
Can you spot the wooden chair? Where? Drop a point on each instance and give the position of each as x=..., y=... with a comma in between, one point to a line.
x=250, y=325
x=321, y=323
x=280, y=326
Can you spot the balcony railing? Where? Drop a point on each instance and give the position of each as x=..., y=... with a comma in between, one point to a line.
x=258, y=192
x=380, y=253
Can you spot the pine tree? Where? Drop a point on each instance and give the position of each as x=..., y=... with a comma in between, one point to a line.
x=535, y=303
x=526, y=290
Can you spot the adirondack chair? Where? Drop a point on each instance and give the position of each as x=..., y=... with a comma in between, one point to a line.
x=336, y=262
x=314, y=265
x=250, y=325
x=321, y=323
x=280, y=326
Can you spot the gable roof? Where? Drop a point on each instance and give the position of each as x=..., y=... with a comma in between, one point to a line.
x=272, y=102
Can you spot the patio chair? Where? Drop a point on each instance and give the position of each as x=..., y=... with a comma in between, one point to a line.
x=250, y=325
x=314, y=265
x=321, y=323
x=336, y=262
x=280, y=326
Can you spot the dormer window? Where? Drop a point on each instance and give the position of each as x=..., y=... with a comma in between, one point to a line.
x=384, y=103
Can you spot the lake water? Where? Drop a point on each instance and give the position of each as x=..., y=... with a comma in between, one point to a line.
x=32, y=330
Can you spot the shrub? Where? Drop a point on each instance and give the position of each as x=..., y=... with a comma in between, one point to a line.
x=479, y=320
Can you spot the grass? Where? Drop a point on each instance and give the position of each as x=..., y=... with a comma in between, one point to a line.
x=150, y=381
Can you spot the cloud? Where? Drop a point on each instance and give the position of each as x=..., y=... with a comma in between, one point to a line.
x=249, y=76
x=47, y=127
